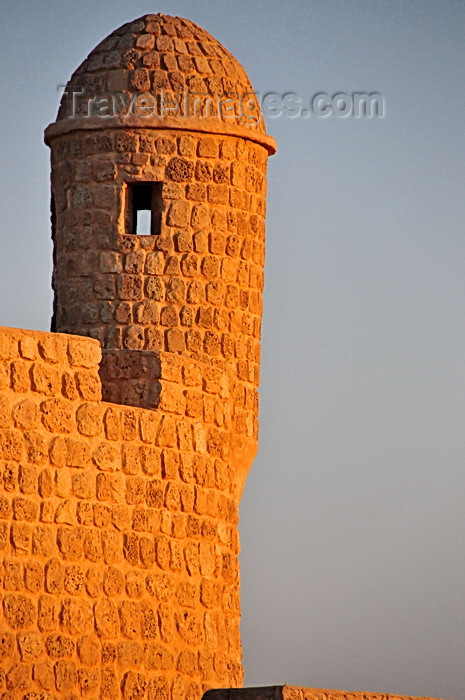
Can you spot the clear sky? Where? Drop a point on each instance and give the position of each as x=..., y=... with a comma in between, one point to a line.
x=353, y=517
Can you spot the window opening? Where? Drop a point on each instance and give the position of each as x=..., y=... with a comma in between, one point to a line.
x=145, y=208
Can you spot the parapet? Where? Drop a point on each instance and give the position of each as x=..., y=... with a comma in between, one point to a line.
x=293, y=692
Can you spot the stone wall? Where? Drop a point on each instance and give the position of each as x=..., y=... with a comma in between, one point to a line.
x=195, y=289
x=292, y=692
x=118, y=530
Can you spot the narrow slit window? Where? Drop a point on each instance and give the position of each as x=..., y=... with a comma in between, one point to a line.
x=145, y=208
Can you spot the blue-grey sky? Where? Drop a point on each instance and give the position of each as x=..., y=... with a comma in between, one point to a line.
x=353, y=517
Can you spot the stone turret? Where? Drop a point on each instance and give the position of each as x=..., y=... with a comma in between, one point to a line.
x=160, y=125
x=158, y=203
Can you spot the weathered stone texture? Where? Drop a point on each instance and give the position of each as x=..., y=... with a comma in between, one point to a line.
x=128, y=70
x=195, y=290
x=119, y=544
x=292, y=692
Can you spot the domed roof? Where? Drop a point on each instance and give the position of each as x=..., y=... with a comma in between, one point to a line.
x=161, y=72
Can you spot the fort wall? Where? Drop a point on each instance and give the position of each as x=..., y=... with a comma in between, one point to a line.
x=118, y=531
x=292, y=692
